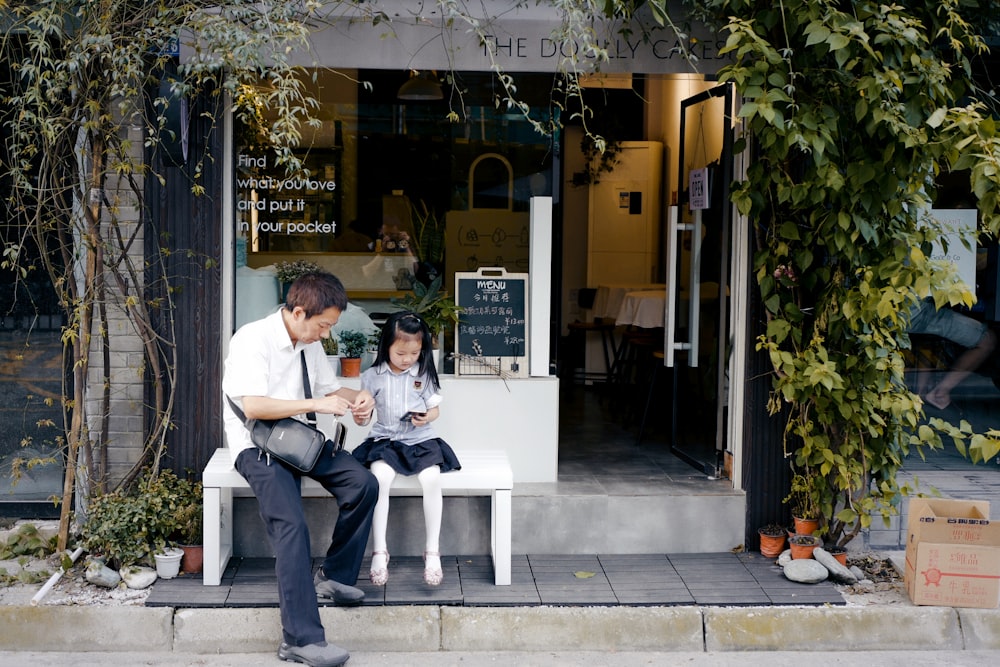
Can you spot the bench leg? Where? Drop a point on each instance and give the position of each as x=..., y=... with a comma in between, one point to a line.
x=218, y=527
x=500, y=536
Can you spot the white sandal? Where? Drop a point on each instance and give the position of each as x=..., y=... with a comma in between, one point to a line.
x=433, y=576
x=380, y=575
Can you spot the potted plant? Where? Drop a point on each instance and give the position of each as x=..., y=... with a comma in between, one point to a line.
x=332, y=350
x=288, y=272
x=352, y=345
x=330, y=346
x=802, y=545
x=432, y=304
x=168, y=562
x=128, y=527
x=840, y=553
x=772, y=540
x=188, y=518
x=805, y=509
x=429, y=240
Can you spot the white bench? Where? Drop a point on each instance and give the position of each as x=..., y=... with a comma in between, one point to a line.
x=483, y=473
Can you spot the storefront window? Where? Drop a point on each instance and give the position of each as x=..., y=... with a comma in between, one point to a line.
x=953, y=363
x=33, y=383
x=392, y=190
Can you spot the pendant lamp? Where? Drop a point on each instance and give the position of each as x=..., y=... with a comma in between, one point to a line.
x=420, y=88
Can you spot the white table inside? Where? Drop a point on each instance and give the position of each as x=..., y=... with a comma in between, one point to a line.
x=607, y=304
x=643, y=308
x=608, y=299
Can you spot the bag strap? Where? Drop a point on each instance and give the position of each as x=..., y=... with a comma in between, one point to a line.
x=236, y=409
x=311, y=416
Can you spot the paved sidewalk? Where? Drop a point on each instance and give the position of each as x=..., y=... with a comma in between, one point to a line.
x=518, y=658
x=558, y=580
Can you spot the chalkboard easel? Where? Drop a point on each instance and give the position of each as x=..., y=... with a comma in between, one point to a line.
x=492, y=334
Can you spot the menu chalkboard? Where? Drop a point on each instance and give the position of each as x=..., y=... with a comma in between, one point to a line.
x=492, y=335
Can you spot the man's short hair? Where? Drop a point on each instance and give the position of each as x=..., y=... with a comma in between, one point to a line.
x=316, y=292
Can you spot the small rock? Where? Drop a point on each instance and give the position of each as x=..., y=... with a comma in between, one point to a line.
x=138, y=578
x=806, y=571
x=100, y=574
x=857, y=572
x=14, y=567
x=785, y=558
x=865, y=586
x=838, y=572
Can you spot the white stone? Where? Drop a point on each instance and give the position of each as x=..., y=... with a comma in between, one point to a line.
x=838, y=572
x=138, y=578
x=806, y=571
x=785, y=558
x=100, y=574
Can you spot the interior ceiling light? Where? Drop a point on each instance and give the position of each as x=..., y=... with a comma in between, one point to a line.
x=420, y=87
x=604, y=80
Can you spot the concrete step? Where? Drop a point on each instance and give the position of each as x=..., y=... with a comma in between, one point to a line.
x=547, y=519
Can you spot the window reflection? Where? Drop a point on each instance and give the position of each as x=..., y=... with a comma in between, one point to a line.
x=392, y=190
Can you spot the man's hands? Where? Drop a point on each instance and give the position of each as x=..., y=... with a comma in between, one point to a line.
x=362, y=407
x=359, y=403
x=332, y=405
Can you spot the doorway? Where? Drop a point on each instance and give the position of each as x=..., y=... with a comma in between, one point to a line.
x=699, y=254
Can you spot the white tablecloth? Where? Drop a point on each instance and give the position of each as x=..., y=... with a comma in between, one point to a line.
x=608, y=299
x=643, y=308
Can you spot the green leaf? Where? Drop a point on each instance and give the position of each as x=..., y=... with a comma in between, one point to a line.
x=937, y=117
x=837, y=41
x=790, y=231
x=777, y=329
x=816, y=33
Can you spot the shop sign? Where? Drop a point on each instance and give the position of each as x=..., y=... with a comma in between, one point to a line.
x=519, y=39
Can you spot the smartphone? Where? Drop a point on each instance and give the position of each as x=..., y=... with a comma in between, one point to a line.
x=408, y=417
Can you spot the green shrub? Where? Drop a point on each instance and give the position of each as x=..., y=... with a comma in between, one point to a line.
x=27, y=541
x=128, y=528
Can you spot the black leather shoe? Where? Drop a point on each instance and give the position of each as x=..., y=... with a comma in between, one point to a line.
x=322, y=654
x=341, y=594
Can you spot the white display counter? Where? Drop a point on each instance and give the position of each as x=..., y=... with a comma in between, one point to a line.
x=520, y=416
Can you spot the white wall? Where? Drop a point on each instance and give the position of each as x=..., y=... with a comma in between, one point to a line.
x=519, y=416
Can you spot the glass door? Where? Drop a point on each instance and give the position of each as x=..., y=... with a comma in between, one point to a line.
x=698, y=330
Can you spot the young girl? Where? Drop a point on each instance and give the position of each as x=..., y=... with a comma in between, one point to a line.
x=405, y=385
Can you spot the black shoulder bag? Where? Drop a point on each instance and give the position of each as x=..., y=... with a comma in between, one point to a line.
x=289, y=440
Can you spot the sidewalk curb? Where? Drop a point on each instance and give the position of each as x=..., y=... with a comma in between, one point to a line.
x=430, y=628
x=62, y=628
x=835, y=629
x=572, y=629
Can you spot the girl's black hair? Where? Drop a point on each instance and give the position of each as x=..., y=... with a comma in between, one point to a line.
x=411, y=324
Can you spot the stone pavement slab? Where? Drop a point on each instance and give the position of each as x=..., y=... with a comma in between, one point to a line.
x=727, y=579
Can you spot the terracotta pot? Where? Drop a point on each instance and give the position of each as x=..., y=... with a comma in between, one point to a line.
x=350, y=367
x=802, y=546
x=840, y=553
x=771, y=546
x=194, y=557
x=805, y=526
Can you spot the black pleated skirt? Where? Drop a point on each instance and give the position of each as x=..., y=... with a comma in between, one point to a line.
x=408, y=459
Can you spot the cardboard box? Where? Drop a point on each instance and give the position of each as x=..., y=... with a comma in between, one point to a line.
x=952, y=553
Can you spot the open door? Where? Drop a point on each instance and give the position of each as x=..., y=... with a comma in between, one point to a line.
x=698, y=330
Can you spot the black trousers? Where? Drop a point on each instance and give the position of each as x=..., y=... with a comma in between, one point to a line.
x=278, y=491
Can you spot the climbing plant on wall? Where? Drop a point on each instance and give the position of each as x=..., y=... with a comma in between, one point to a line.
x=851, y=111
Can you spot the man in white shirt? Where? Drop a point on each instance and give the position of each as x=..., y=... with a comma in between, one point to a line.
x=263, y=373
